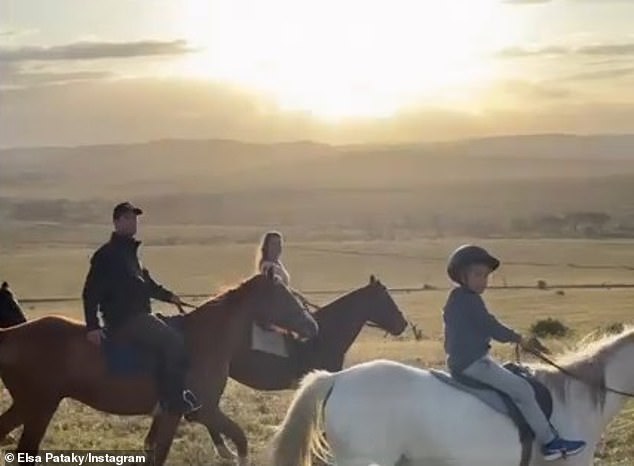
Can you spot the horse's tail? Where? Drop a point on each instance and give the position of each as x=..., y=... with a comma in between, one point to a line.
x=301, y=432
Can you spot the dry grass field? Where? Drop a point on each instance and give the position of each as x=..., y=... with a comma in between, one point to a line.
x=47, y=268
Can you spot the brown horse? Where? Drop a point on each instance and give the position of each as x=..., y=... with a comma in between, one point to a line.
x=49, y=359
x=340, y=322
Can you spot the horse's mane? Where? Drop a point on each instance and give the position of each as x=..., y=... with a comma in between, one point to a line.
x=588, y=363
x=599, y=350
x=229, y=294
x=342, y=298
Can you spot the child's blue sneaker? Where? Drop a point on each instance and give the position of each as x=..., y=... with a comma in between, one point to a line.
x=559, y=447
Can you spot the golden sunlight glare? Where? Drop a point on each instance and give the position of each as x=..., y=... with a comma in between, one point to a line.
x=351, y=58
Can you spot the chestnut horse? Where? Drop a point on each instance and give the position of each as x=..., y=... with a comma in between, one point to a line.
x=48, y=359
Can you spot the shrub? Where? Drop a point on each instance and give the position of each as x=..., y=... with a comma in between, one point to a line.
x=549, y=328
x=614, y=328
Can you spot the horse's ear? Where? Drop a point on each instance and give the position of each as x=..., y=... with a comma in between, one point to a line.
x=5, y=286
x=373, y=279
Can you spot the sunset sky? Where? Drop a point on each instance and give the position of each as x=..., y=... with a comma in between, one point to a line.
x=340, y=71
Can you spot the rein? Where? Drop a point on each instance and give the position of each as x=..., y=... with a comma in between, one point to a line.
x=305, y=301
x=410, y=324
x=552, y=363
x=315, y=307
x=184, y=304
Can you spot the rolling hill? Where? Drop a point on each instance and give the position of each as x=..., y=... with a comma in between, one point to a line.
x=481, y=184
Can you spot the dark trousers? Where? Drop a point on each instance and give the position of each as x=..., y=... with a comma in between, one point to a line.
x=152, y=334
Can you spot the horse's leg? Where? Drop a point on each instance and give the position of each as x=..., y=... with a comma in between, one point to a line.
x=231, y=429
x=36, y=419
x=149, y=443
x=217, y=421
x=9, y=420
x=221, y=447
x=201, y=382
x=160, y=437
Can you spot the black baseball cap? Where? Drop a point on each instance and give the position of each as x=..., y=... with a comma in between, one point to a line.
x=124, y=208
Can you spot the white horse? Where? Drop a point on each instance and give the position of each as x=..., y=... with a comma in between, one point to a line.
x=383, y=413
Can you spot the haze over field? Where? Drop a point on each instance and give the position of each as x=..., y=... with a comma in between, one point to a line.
x=511, y=185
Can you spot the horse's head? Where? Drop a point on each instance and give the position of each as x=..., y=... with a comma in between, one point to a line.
x=10, y=310
x=382, y=309
x=273, y=303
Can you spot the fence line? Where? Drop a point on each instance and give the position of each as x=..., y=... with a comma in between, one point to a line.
x=399, y=290
x=397, y=255
x=418, y=289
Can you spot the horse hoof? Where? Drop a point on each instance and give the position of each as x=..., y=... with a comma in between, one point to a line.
x=225, y=453
x=243, y=461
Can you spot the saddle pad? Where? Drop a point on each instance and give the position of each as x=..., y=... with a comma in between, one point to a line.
x=503, y=403
x=489, y=397
x=268, y=341
x=125, y=360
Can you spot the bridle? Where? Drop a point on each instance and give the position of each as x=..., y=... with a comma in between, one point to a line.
x=539, y=355
x=369, y=324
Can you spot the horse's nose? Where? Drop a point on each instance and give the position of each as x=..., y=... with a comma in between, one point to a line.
x=400, y=326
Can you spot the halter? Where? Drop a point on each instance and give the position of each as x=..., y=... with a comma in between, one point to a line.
x=552, y=363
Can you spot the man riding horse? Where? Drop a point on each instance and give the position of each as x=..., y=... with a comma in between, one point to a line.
x=120, y=288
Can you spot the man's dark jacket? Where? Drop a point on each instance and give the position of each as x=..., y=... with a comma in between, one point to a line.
x=117, y=285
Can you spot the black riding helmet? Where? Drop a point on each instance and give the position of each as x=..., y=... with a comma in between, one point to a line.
x=466, y=255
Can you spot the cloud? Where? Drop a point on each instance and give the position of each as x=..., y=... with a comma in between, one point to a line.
x=94, y=50
x=519, y=52
x=38, y=79
x=16, y=76
x=603, y=50
x=13, y=33
x=610, y=50
x=86, y=112
x=614, y=73
x=533, y=91
x=127, y=110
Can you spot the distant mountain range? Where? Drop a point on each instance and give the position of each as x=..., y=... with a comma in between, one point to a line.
x=230, y=181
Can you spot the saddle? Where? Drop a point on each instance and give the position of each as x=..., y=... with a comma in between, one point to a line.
x=500, y=401
x=125, y=359
x=270, y=341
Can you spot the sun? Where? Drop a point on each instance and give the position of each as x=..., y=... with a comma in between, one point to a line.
x=345, y=58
